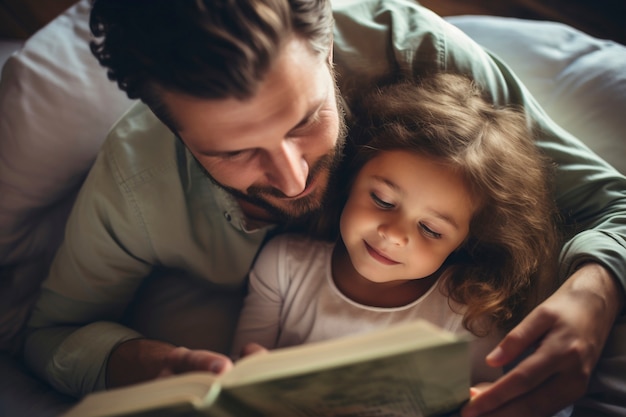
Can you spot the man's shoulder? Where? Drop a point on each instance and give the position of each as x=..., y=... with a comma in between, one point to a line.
x=377, y=37
x=139, y=144
x=361, y=10
x=138, y=129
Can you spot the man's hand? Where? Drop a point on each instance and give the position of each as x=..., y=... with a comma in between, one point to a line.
x=140, y=360
x=569, y=330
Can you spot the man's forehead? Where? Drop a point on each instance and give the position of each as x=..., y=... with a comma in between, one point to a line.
x=292, y=92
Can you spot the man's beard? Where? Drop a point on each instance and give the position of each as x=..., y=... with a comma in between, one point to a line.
x=294, y=209
x=297, y=209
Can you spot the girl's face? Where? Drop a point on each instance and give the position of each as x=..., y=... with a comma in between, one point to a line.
x=405, y=214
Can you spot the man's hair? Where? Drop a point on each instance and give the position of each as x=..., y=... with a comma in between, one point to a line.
x=202, y=48
x=509, y=259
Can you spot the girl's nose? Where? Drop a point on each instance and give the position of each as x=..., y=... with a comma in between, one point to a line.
x=394, y=232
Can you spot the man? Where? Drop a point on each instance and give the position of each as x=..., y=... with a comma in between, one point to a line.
x=242, y=132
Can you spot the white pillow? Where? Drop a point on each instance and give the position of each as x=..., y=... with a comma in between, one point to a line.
x=56, y=106
x=579, y=80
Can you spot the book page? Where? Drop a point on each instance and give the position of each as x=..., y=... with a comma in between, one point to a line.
x=195, y=389
x=421, y=383
x=331, y=353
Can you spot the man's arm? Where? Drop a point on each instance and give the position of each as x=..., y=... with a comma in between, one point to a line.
x=134, y=212
x=74, y=340
x=92, y=279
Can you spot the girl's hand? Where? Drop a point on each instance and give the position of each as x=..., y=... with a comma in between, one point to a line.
x=252, y=349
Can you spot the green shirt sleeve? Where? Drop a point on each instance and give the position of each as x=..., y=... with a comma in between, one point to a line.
x=79, y=354
x=377, y=37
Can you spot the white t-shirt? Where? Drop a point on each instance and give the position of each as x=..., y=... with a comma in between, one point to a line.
x=293, y=300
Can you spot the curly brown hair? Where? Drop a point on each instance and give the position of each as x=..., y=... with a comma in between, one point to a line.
x=508, y=263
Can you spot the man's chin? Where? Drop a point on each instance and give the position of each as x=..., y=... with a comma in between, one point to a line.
x=270, y=208
x=288, y=210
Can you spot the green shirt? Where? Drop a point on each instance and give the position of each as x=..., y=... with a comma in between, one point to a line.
x=146, y=201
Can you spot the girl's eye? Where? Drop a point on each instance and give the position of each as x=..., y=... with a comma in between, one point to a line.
x=380, y=202
x=429, y=232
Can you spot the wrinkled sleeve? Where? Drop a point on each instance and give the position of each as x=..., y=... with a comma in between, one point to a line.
x=95, y=273
x=375, y=37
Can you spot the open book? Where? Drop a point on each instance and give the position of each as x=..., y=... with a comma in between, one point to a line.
x=410, y=369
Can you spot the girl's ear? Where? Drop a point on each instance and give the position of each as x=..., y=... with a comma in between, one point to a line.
x=330, y=54
x=462, y=244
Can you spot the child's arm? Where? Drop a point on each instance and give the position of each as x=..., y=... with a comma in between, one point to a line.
x=259, y=321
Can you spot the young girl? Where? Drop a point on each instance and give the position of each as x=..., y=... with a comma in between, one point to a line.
x=448, y=218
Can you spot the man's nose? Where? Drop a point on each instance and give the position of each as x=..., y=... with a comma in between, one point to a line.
x=288, y=170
